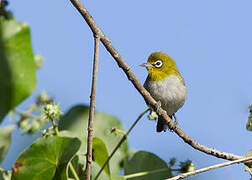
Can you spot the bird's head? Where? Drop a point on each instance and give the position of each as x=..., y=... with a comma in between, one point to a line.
x=160, y=66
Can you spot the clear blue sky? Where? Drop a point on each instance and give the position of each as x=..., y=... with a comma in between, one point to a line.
x=210, y=41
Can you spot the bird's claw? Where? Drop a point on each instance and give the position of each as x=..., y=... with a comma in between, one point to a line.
x=175, y=122
x=158, y=106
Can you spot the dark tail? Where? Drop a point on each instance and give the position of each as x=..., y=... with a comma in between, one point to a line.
x=161, y=125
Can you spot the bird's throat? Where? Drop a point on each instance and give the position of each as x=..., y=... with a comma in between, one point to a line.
x=160, y=75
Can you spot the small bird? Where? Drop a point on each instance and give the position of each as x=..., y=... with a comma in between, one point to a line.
x=165, y=84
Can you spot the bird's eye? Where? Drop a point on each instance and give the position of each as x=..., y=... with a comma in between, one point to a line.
x=158, y=63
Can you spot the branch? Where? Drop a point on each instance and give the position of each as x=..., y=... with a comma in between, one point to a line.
x=147, y=97
x=184, y=175
x=92, y=109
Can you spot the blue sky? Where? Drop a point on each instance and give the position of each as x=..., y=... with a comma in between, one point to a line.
x=210, y=41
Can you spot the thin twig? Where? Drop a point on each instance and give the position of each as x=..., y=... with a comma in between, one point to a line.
x=146, y=95
x=184, y=175
x=120, y=142
x=92, y=109
x=55, y=127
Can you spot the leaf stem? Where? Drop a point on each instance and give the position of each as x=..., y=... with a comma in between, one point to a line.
x=73, y=171
x=120, y=142
x=55, y=127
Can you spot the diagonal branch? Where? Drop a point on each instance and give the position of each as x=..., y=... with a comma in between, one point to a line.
x=185, y=175
x=92, y=109
x=147, y=97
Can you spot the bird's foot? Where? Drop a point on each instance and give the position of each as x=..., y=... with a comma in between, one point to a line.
x=158, y=106
x=175, y=121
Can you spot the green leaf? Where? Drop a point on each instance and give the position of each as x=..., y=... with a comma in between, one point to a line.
x=100, y=153
x=47, y=158
x=5, y=140
x=5, y=175
x=76, y=120
x=79, y=167
x=17, y=66
x=248, y=166
x=145, y=161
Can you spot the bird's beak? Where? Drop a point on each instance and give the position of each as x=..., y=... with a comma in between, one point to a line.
x=146, y=65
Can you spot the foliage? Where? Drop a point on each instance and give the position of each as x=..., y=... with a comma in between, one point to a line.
x=17, y=65
x=47, y=158
x=100, y=153
x=145, y=161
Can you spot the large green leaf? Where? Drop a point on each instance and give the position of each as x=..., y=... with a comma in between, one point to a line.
x=100, y=153
x=145, y=161
x=17, y=65
x=76, y=120
x=5, y=140
x=47, y=158
x=99, y=157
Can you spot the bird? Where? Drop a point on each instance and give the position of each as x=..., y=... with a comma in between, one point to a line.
x=165, y=84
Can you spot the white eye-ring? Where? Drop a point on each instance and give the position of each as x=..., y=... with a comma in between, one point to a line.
x=158, y=64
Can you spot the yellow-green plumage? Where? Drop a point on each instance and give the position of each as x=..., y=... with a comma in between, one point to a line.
x=169, y=67
x=165, y=84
